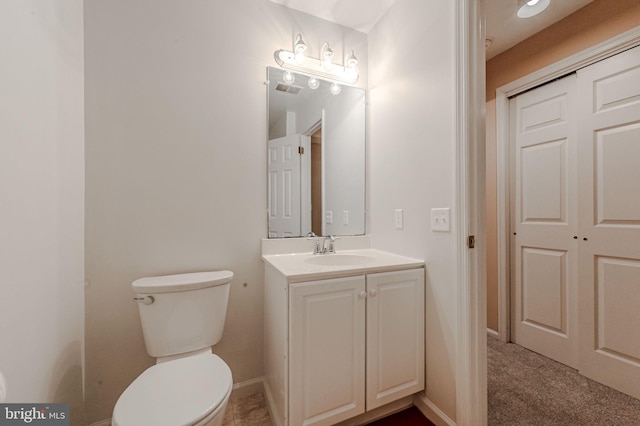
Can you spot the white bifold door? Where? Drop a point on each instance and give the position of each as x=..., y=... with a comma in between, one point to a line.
x=576, y=220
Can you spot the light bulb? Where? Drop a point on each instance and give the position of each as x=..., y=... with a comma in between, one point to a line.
x=351, y=66
x=351, y=73
x=335, y=89
x=288, y=77
x=327, y=57
x=313, y=83
x=352, y=60
x=300, y=49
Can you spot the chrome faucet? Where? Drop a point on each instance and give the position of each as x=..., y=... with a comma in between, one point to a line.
x=316, y=242
x=327, y=245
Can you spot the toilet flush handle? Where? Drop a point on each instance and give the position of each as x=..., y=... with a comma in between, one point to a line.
x=147, y=300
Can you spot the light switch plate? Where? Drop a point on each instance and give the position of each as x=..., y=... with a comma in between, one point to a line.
x=328, y=217
x=441, y=220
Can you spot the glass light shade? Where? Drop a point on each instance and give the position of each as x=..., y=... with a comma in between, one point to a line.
x=313, y=83
x=352, y=73
x=288, y=77
x=326, y=57
x=300, y=49
x=351, y=60
x=335, y=89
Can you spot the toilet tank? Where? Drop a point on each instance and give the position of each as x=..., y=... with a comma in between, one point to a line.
x=187, y=313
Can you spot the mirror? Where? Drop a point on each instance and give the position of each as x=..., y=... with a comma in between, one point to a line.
x=316, y=157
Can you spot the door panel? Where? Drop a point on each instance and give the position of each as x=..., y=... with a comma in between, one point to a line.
x=395, y=336
x=617, y=292
x=326, y=355
x=609, y=188
x=617, y=152
x=543, y=190
x=544, y=289
x=544, y=314
x=284, y=187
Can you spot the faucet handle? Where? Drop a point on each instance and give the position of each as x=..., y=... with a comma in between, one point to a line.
x=332, y=240
x=311, y=235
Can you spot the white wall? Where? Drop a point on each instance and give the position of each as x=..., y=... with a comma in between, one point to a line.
x=41, y=201
x=176, y=164
x=412, y=163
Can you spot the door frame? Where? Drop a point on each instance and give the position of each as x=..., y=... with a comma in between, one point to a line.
x=611, y=47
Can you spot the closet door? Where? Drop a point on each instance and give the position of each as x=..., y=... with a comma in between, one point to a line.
x=609, y=190
x=544, y=203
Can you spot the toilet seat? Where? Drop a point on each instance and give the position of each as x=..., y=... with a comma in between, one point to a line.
x=181, y=392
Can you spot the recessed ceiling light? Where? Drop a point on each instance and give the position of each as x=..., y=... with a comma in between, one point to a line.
x=529, y=8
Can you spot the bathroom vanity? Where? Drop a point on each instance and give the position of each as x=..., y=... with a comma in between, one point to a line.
x=344, y=334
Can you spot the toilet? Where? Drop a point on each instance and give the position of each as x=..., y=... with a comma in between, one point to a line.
x=182, y=317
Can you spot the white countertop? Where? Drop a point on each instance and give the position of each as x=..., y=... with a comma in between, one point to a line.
x=295, y=267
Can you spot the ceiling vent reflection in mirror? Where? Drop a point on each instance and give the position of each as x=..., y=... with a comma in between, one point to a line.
x=324, y=67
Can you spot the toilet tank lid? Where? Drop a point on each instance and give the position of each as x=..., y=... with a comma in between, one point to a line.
x=181, y=282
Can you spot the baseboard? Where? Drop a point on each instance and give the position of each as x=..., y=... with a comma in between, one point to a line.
x=271, y=404
x=493, y=333
x=246, y=388
x=431, y=411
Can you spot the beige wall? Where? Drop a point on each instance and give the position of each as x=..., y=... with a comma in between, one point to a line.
x=587, y=27
x=42, y=202
x=176, y=164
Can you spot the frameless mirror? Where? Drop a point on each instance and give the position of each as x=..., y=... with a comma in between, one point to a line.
x=316, y=156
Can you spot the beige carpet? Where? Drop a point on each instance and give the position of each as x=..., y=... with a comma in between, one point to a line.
x=525, y=388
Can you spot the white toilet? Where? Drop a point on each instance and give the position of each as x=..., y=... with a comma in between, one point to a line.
x=182, y=317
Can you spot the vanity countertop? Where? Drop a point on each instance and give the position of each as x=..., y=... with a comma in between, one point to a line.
x=298, y=267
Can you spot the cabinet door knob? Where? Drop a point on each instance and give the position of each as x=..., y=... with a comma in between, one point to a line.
x=363, y=295
x=373, y=293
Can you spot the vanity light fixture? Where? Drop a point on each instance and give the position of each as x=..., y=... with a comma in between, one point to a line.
x=300, y=49
x=335, y=89
x=323, y=67
x=529, y=8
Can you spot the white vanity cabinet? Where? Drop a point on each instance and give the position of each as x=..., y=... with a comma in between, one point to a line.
x=351, y=344
x=327, y=351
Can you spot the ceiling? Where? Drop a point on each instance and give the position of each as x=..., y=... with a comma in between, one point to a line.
x=503, y=27
x=506, y=29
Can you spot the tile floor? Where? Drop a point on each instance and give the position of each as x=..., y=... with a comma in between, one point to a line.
x=250, y=410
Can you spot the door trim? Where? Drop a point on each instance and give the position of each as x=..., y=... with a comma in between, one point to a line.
x=613, y=46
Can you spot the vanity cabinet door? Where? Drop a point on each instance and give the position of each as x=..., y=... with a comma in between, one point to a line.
x=395, y=335
x=326, y=351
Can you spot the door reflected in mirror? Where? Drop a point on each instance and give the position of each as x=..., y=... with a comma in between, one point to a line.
x=316, y=157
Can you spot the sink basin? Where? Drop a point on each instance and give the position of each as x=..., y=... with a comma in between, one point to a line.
x=338, y=259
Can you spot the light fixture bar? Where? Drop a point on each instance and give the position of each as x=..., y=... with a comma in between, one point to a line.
x=287, y=59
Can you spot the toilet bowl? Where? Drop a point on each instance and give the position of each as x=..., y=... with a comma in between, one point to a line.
x=182, y=317
x=184, y=392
